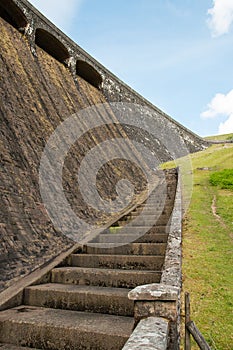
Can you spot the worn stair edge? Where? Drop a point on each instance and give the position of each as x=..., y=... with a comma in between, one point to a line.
x=62, y=329
x=151, y=333
x=153, y=238
x=153, y=207
x=106, y=300
x=116, y=238
x=104, y=277
x=148, y=238
x=130, y=249
x=127, y=262
x=147, y=221
x=123, y=239
x=152, y=212
x=14, y=347
x=137, y=230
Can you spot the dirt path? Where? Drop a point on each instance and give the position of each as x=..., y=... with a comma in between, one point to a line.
x=214, y=211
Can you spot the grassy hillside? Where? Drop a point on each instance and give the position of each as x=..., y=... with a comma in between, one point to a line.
x=220, y=137
x=208, y=248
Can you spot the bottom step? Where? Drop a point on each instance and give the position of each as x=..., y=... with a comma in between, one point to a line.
x=61, y=329
x=14, y=347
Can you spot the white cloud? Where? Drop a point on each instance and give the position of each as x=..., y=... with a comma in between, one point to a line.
x=221, y=105
x=60, y=13
x=227, y=126
x=221, y=17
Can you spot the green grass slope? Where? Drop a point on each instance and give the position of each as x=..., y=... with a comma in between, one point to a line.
x=208, y=247
x=220, y=137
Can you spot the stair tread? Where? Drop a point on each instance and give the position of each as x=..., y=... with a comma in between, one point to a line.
x=66, y=319
x=135, y=227
x=117, y=261
x=120, y=240
x=105, y=271
x=14, y=347
x=88, y=298
x=133, y=249
x=72, y=288
x=120, y=256
x=121, y=278
x=112, y=245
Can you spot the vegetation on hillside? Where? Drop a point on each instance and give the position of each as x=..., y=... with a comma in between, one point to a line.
x=223, y=179
x=220, y=137
x=208, y=246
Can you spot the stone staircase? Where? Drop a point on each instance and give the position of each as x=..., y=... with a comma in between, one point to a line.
x=84, y=303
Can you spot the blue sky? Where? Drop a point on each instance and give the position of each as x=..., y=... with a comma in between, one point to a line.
x=176, y=53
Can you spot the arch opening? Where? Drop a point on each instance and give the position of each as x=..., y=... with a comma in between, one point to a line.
x=51, y=45
x=88, y=73
x=12, y=14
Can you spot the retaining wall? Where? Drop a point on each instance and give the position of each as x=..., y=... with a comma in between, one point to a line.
x=159, y=303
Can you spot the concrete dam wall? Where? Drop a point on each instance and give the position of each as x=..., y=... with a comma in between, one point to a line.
x=46, y=78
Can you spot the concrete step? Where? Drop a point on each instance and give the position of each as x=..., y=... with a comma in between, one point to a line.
x=149, y=220
x=158, y=196
x=149, y=215
x=152, y=211
x=14, y=347
x=153, y=238
x=132, y=234
x=104, y=277
x=152, y=219
x=123, y=239
x=129, y=249
x=167, y=207
x=116, y=238
x=153, y=206
x=62, y=329
x=147, y=238
x=127, y=262
x=104, y=300
x=137, y=230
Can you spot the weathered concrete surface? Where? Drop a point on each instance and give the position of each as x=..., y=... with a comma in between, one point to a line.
x=14, y=347
x=158, y=308
x=128, y=262
x=158, y=236
x=30, y=21
x=150, y=334
x=155, y=291
x=98, y=285
x=163, y=299
x=172, y=269
x=104, y=277
x=13, y=295
x=130, y=249
x=46, y=77
x=105, y=300
x=62, y=329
